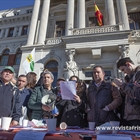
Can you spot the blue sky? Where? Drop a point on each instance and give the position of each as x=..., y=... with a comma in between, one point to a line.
x=9, y=4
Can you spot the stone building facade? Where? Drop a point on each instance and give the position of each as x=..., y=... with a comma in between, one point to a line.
x=58, y=29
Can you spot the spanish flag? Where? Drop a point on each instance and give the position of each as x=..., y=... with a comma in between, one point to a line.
x=99, y=16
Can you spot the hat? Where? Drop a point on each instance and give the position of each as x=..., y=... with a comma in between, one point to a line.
x=9, y=68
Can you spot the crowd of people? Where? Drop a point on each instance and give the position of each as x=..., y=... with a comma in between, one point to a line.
x=100, y=102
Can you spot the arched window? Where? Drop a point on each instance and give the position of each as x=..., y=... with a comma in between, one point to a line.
x=18, y=57
x=52, y=66
x=5, y=57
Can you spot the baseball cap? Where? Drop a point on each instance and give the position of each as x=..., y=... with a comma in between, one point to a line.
x=9, y=68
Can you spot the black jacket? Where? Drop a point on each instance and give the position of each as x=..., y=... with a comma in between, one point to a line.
x=9, y=101
x=71, y=112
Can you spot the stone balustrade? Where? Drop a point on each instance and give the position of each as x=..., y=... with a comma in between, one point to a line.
x=53, y=41
x=96, y=29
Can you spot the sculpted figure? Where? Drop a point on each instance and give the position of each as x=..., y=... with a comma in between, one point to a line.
x=70, y=66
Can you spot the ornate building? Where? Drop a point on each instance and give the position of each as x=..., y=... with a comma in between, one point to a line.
x=61, y=28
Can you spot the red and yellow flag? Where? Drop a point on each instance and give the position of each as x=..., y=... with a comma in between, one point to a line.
x=99, y=16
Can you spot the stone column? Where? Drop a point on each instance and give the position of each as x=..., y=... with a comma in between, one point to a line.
x=70, y=17
x=2, y=33
x=6, y=33
x=51, y=29
x=34, y=19
x=109, y=6
x=43, y=22
x=80, y=13
x=15, y=32
x=20, y=31
x=28, y=29
x=122, y=13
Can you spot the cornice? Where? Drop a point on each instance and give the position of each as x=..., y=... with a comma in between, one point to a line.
x=15, y=19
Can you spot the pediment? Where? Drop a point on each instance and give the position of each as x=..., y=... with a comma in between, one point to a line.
x=58, y=8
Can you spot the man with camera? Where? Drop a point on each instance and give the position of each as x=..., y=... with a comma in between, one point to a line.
x=130, y=90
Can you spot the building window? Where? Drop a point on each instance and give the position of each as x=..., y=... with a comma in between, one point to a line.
x=29, y=11
x=134, y=20
x=52, y=66
x=60, y=28
x=93, y=21
x=18, y=57
x=24, y=30
x=5, y=57
x=11, y=31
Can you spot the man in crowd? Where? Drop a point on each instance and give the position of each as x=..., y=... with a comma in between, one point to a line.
x=130, y=91
x=9, y=96
x=24, y=94
x=103, y=98
x=127, y=66
x=39, y=110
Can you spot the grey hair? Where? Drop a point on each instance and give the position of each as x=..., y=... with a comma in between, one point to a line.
x=48, y=72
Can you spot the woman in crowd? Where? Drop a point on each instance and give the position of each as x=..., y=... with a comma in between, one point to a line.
x=31, y=81
x=72, y=111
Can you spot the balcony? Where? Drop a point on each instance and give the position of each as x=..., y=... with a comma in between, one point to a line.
x=84, y=31
x=97, y=29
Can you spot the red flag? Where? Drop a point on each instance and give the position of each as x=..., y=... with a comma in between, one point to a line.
x=99, y=15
